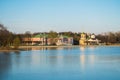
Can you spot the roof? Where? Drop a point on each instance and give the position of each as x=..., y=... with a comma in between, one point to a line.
x=64, y=36
x=83, y=33
x=40, y=36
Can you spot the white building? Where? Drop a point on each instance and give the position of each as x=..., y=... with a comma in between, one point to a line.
x=64, y=40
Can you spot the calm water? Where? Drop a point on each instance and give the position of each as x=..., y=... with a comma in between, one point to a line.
x=78, y=63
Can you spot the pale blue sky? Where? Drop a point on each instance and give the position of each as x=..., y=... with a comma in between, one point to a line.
x=94, y=16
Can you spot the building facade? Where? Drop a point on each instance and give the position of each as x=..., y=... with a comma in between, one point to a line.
x=83, y=39
x=40, y=39
x=88, y=39
x=64, y=40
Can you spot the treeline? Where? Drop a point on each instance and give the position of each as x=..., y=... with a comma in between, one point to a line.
x=109, y=37
x=8, y=38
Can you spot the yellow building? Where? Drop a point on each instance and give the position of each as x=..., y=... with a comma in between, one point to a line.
x=88, y=39
x=83, y=39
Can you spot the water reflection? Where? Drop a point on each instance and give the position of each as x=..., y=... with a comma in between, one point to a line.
x=5, y=64
x=82, y=48
x=60, y=62
x=82, y=61
x=92, y=59
x=36, y=58
x=86, y=59
x=82, y=57
x=48, y=48
x=92, y=48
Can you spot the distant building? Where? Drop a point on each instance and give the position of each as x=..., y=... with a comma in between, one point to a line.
x=88, y=39
x=93, y=40
x=83, y=39
x=42, y=39
x=64, y=40
x=39, y=39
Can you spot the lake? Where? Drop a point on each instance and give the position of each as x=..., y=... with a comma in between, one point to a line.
x=62, y=63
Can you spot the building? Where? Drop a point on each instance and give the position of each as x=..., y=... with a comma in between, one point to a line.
x=42, y=39
x=39, y=39
x=88, y=39
x=64, y=40
x=93, y=40
x=83, y=39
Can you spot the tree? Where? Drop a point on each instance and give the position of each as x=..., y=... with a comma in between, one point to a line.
x=16, y=42
x=52, y=34
x=2, y=27
x=5, y=36
x=28, y=34
x=117, y=34
x=101, y=38
x=111, y=37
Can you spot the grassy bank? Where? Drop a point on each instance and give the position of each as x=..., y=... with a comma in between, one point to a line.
x=8, y=49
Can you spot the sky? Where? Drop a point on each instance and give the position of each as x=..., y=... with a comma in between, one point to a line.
x=91, y=16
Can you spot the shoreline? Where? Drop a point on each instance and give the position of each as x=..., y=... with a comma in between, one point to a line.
x=46, y=46
x=38, y=47
x=64, y=46
x=9, y=50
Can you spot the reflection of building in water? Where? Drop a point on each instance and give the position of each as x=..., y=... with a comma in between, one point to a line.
x=92, y=48
x=38, y=48
x=82, y=57
x=82, y=48
x=35, y=59
x=44, y=48
x=92, y=57
x=86, y=60
x=38, y=58
x=82, y=61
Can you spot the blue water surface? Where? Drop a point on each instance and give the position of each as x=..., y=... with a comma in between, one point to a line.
x=63, y=63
